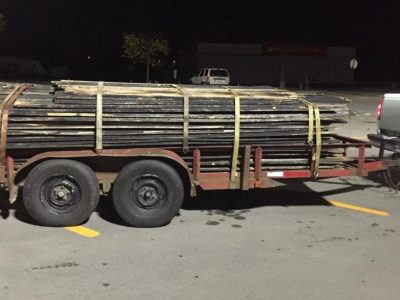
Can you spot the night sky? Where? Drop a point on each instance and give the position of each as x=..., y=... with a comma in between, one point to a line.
x=54, y=31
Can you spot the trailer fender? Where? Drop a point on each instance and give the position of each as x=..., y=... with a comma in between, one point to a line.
x=155, y=153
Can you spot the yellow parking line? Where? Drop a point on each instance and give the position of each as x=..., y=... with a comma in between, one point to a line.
x=83, y=231
x=360, y=137
x=359, y=208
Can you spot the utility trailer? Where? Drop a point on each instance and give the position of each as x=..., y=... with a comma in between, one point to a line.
x=62, y=180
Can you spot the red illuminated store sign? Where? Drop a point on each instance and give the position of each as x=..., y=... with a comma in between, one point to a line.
x=270, y=48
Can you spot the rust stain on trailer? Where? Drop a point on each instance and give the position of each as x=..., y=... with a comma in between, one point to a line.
x=221, y=181
x=4, y=110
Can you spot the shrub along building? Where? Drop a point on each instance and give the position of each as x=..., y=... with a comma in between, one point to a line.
x=269, y=63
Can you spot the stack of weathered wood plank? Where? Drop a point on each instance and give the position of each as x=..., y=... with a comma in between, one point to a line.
x=63, y=116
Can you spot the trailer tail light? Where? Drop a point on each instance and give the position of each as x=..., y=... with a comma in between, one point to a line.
x=379, y=109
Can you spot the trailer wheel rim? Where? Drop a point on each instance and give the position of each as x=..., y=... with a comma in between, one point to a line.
x=149, y=192
x=60, y=194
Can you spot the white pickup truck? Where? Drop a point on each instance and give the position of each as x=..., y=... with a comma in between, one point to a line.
x=388, y=115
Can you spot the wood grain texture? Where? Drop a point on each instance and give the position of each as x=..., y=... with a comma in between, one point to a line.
x=63, y=116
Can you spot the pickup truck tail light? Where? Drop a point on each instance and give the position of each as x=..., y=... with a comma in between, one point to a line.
x=379, y=109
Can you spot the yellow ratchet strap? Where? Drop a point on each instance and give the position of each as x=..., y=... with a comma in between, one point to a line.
x=99, y=116
x=4, y=106
x=235, y=154
x=185, y=143
x=16, y=88
x=314, y=116
x=319, y=140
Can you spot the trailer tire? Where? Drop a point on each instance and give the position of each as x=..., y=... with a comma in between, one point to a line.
x=148, y=193
x=61, y=192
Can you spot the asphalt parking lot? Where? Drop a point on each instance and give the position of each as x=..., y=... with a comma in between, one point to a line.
x=334, y=238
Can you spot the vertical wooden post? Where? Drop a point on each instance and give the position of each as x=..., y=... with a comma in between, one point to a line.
x=10, y=170
x=246, y=168
x=361, y=160
x=196, y=164
x=258, y=163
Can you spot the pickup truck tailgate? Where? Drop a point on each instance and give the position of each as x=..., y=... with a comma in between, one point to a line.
x=389, y=122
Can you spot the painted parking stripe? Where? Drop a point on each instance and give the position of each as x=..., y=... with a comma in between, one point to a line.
x=359, y=208
x=83, y=231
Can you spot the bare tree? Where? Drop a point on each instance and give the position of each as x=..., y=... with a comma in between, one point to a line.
x=145, y=48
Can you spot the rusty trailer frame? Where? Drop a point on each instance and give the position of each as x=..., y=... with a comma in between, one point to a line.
x=248, y=178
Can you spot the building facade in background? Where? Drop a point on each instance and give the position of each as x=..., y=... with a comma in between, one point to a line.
x=270, y=63
x=14, y=67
